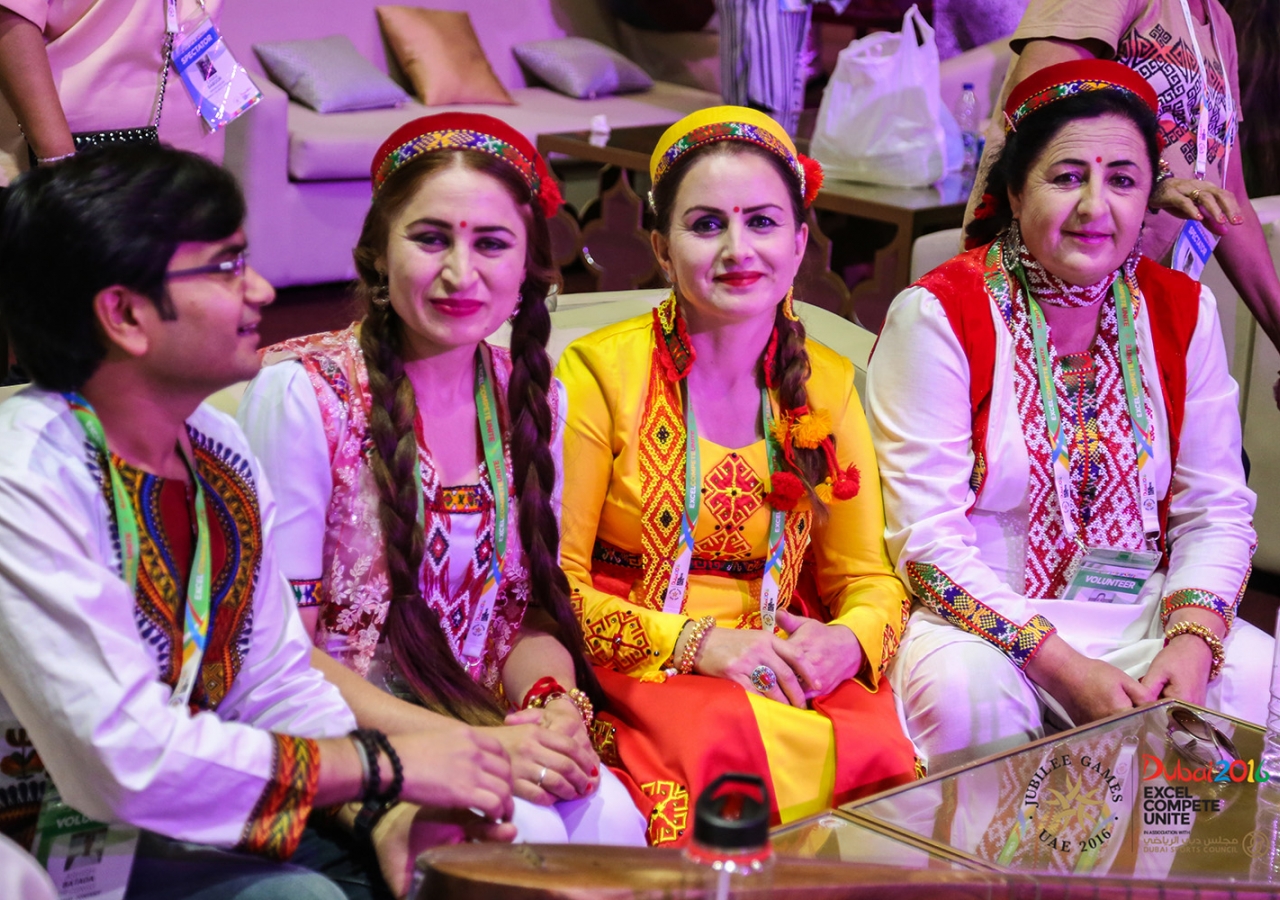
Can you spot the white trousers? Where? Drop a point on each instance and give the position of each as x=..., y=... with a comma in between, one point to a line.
x=608, y=816
x=960, y=698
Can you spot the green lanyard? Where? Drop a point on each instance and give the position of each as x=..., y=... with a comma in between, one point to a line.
x=195, y=629
x=678, y=586
x=495, y=465
x=1060, y=461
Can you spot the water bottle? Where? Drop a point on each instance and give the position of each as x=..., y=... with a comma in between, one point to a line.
x=1264, y=853
x=730, y=852
x=967, y=118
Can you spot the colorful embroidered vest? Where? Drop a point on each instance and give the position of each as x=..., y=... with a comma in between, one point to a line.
x=354, y=579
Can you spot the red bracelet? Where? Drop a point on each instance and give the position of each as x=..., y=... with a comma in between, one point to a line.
x=541, y=692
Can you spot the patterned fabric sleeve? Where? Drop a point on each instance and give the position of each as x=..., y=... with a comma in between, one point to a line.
x=1210, y=531
x=306, y=592
x=853, y=571
x=921, y=423
x=278, y=819
x=620, y=635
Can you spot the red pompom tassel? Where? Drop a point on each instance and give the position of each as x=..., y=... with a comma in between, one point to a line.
x=549, y=196
x=847, y=484
x=786, y=493
x=812, y=178
x=986, y=207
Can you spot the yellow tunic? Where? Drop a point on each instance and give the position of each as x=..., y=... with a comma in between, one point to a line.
x=606, y=376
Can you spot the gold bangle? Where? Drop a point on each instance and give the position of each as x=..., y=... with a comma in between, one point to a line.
x=1200, y=631
x=694, y=643
x=579, y=698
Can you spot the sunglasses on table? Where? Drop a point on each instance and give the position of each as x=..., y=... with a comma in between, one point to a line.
x=1197, y=741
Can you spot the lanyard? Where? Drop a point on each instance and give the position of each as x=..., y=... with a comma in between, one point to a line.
x=195, y=629
x=495, y=465
x=678, y=585
x=1202, y=125
x=1060, y=459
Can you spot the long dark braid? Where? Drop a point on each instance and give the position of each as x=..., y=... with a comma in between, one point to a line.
x=790, y=374
x=534, y=472
x=418, y=643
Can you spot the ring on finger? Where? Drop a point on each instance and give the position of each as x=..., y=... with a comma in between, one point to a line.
x=764, y=679
x=542, y=775
x=1195, y=196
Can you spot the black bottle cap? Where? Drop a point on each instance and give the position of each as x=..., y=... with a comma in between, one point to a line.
x=733, y=813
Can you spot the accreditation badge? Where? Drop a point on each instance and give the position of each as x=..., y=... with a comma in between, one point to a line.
x=1193, y=248
x=1112, y=576
x=83, y=858
x=219, y=86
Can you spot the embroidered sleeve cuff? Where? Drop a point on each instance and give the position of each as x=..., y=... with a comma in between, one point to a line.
x=1171, y=603
x=937, y=591
x=626, y=640
x=277, y=822
x=306, y=593
x=878, y=641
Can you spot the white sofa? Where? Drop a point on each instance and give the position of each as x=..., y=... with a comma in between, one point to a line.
x=306, y=175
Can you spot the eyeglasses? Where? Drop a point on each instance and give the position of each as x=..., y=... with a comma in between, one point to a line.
x=235, y=266
x=1198, y=741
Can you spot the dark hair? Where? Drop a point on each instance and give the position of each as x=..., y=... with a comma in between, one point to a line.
x=1024, y=146
x=112, y=216
x=791, y=360
x=417, y=641
x=1257, y=27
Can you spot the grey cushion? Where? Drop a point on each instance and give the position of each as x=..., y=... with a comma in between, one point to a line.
x=582, y=68
x=328, y=75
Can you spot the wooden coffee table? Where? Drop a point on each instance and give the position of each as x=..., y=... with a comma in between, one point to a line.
x=911, y=211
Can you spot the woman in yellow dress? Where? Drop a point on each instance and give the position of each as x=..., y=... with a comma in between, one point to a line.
x=723, y=528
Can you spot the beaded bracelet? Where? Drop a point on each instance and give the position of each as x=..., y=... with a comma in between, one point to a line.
x=375, y=803
x=545, y=690
x=694, y=643
x=542, y=691
x=1200, y=631
x=50, y=160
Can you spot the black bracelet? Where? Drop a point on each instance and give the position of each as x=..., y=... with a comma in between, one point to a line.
x=366, y=742
x=376, y=803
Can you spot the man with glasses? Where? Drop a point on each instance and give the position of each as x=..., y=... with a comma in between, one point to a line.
x=148, y=643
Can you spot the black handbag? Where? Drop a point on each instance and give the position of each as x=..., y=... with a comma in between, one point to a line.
x=114, y=137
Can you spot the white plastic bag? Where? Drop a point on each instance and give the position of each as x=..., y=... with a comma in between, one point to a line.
x=881, y=115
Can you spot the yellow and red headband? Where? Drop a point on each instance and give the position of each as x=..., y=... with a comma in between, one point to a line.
x=468, y=131
x=1070, y=78
x=734, y=123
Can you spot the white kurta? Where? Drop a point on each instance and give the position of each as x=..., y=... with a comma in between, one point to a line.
x=921, y=422
x=79, y=677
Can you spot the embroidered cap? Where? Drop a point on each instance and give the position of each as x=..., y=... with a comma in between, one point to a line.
x=468, y=131
x=734, y=123
x=1070, y=78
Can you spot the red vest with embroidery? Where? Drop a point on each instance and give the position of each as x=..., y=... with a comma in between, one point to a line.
x=1173, y=307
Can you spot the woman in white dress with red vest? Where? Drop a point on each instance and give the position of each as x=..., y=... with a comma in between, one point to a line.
x=1028, y=449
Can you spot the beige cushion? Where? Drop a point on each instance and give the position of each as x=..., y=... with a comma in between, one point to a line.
x=438, y=52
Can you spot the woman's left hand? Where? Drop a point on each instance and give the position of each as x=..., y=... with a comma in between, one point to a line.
x=1190, y=198
x=1181, y=670
x=822, y=656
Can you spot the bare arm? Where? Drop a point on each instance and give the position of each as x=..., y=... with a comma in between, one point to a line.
x=536, y=654
x=1246, y=258
x=26, y=81
x=1036, y=55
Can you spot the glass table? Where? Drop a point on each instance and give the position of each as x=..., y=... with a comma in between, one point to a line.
x=1115, y=800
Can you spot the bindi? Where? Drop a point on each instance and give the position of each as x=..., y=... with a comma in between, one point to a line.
x=1099, y=159
x=737, y=209
x=463, y=223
